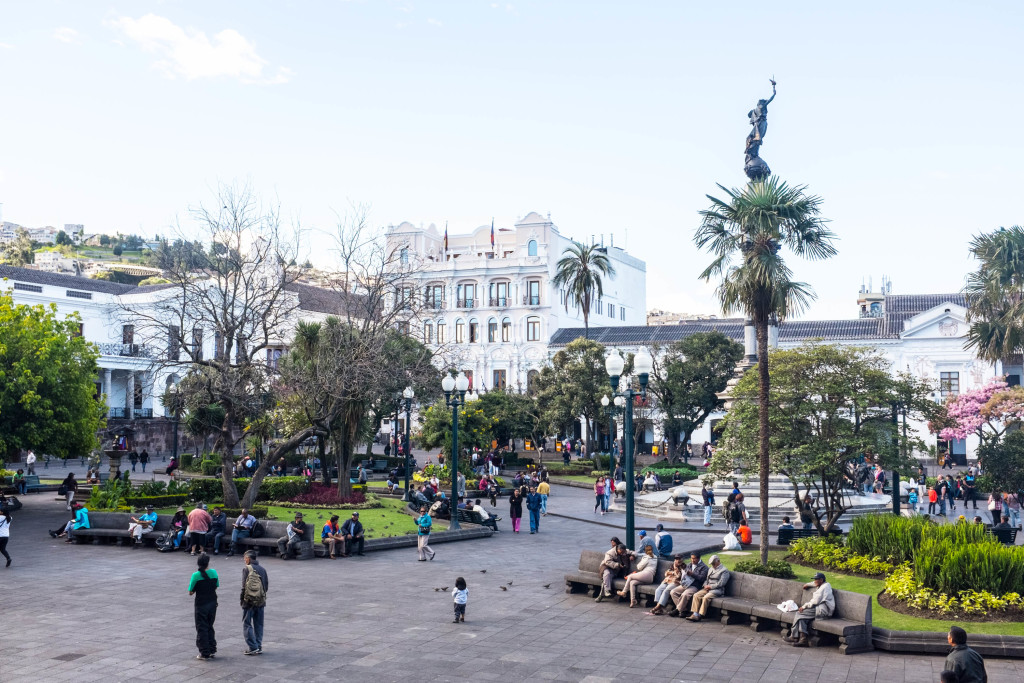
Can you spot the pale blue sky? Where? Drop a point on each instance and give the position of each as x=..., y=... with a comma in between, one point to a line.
x=904, y=117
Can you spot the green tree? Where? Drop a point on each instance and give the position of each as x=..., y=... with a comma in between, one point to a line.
x=827, y=406
x=513, y=414
x=118, y=250
x=571, y=386
x=687, y=379
x=581, y=271
x=62, y=239
x=751, y=227
x=104, y=240
x=18, y=252
x=475, y=427
x=47, y=382
x=995, y=294
x=1004, y=461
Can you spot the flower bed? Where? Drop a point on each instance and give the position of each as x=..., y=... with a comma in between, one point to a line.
x=904, y=594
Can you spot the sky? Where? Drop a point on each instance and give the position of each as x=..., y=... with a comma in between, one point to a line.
x=617, y=118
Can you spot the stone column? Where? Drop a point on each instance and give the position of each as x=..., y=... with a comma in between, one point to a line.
x=108, y=388
x=773, y=334
x=130, y=391
x=749, y=340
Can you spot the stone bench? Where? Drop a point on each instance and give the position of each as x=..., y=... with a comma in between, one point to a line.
x=474, y=517
x=753, y=597
x=114, y=525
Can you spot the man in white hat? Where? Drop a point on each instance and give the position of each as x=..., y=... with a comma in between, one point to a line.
x=821, y=606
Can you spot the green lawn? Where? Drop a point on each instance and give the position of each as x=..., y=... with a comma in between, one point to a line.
x=585, y=478
x=377, y=522
x=882, y=617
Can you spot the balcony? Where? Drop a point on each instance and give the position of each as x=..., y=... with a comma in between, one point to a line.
x=144, y=413
x=117, y=413
x=122, y=414
x=529, y=300
x=434, y=305
x=126, y=350
x=467, y=303
x=498, y=302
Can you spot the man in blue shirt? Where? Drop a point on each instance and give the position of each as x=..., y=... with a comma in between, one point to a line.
x=242, y=529
x=141, y=525
x=663, y=542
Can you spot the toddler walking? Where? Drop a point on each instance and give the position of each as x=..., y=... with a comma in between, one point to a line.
x=461, y=595
x=933, y=499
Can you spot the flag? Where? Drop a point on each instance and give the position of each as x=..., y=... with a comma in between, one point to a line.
x=446, y=237
x=492, y=234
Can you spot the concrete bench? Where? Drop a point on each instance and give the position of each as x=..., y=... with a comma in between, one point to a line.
x=272, y=531
x=114, y=525
x=587, y=577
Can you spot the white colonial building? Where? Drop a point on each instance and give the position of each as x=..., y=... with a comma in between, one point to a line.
x=490, y=308
x=923, y=334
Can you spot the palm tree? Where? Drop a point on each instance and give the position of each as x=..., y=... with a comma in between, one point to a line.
x=751, y=228
x=580, y=272
x=995, y=294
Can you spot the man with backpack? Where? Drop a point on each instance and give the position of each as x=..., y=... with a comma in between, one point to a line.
x=254, y=598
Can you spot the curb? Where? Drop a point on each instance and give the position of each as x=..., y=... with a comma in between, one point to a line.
x=933, y=642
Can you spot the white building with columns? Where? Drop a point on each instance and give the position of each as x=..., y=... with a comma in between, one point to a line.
x=491, y=308
x=923, y=334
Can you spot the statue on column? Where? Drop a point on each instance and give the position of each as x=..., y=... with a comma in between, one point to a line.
x=754, y=166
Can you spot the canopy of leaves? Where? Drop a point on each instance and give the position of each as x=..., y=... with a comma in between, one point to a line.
x=1004, y=461
x=572, y=385
x=514, y=415
x=47, y=382
x=17, y=252
x=476, y=428
x=995, y=294
x=580, y=272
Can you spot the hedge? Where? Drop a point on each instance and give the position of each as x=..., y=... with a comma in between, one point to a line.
x=272, y=488
x=157, y=501
x=233, y=513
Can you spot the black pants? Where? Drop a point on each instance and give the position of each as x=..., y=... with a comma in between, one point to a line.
x=460, y=610
x=3, y=547
x=969, y=497
x=206, y=641
x=353, y=542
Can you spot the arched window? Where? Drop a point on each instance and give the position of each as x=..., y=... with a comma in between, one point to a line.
x=531, y=380
x=498, y=294
x=460, y=332
x=428, y=332
x=506, y=329
x=533, y=328
x=492, y=331
x=441, y=328
x=531, y=248
x=404, y=256
x=474, y=331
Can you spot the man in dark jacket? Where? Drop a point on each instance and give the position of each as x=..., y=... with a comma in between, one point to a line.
x=252, y=614
x=533, y=505
x=966, y=663
x=298, y=532
x=352, y=531
x=681, y=595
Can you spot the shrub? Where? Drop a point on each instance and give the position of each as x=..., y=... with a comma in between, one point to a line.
x=828, y=551
x=903, y=586
x=325, y=496
x=209, y=467
x=272, y=488
x=890, y=537
x=256, y=511
x=775, y=568
x=948, y=564
x=156, y=501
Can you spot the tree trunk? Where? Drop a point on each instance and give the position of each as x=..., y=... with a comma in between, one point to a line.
x=265, y=464
x=227, y=462
x=762, y=415
x=321, y=452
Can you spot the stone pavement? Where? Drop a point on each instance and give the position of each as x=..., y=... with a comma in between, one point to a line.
x=91, y=613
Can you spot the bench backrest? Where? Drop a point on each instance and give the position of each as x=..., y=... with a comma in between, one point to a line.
x=590, y=560
x=1004, y=536
x=849, y=605
x=31, y=480
x=121, y=520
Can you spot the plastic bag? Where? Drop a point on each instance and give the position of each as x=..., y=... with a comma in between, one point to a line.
x=788, y=606
x=731, y=542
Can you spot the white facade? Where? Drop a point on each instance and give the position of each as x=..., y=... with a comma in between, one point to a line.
x=492, y=311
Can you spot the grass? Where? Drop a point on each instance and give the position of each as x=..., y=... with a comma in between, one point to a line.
x=377, y=522
x=882, y=617
x=585, y=478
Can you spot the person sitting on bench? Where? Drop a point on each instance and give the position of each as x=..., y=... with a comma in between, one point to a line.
x=352, y=532
x=80, y=521
x=141, y=525
x=288, y=546
x=821, y=606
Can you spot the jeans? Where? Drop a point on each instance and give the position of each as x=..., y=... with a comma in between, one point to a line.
x=252, y=627
x=808, y=525
x=1014, y=516
x=216, y=540
x=236, y=535
x=661, y=593
x=534, y=521
x=206, y=640
x=143, y=467
x=22, y=487
x=133, y=466
x=544, y=503
x=707, y=514
x=942, y=506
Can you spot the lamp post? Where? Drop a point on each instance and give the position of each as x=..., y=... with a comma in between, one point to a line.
x=642, y=365
x=408, y=395
x=455, y=396
x=609, y=411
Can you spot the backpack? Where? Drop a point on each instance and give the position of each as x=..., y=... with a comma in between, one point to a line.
x=253, y=593
x=257, y=531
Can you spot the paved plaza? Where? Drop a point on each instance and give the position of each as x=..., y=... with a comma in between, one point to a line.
x=103, y=613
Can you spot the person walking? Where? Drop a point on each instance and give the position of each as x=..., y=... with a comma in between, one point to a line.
x=933, y=499
x=533, y=505
x=964, y=661
x=1011, y=505
x=144, y=459
x=707, y=497
x=30, y=462
x=599, y=499
x=995, y=505
x=460, y=594
x=912, y=500
x=515, y=509
x=970, y=490
x=423, y=536
x=133, y=458
x=255, y=585
x=203, y=585
x=950, y=492
x=544, y=489
x=5, y=533
x=70, y=486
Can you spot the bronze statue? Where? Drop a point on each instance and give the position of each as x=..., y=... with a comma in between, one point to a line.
x=754, y=166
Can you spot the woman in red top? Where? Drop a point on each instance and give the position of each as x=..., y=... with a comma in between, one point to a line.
x=599, y=501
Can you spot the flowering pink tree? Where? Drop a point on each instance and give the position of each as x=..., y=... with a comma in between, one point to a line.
x=991, y=408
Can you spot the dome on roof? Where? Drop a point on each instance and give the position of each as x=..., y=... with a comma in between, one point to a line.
x=405, y=226
x=533, y=218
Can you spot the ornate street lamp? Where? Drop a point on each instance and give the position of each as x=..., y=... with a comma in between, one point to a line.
x=408, y=395
x=455, y=396
x=642, y=365
x=609, y=412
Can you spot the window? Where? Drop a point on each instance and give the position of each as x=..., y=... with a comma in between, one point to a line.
x=434, y=297
x=218, y=345
x=273, y=358
x=460, y=332
x=28, y=288
x=498, y=295
x=1013, y=380
x=173, y=342
x=137, y=392
x=499, y=380
x=404, y=296
x=75, y=294
x=474, y=331
x=404, y=256
x=611, y=310
x=533, y=329
x=428, y=333
x=531, y=248
x=403, y=326
x=531, y=381
x=465, y=296
x=441, y=329
x=949, y=384
x=197, y=343
x=128, y=334
x=622, y=313
x=506, y=329
x=492, y=331
x=533, y=296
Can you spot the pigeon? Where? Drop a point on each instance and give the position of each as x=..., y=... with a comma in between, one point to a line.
x=503, y=588
x=445, y=588
x=483, y=571
x=547, y=585
x=437, y=590
x=509, y=583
